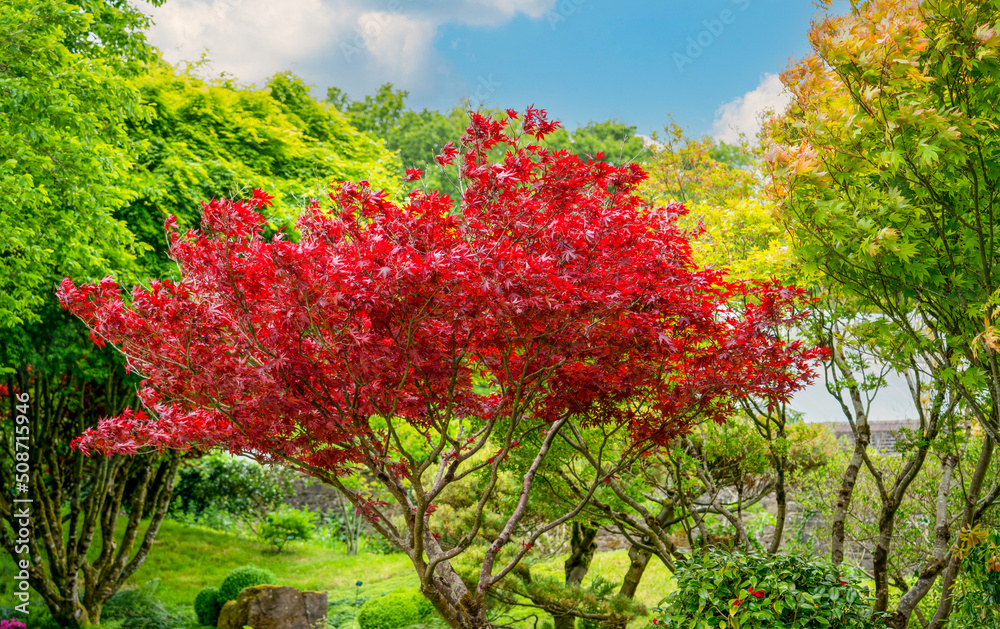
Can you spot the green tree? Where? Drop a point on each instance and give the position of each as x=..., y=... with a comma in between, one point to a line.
x=65, y=156
x=66, y=95
x=721, y=188
x=419, y=135
x=887, y=171
x=218, y=139
x=93, y=519
x=99, y=142
x=616, y=141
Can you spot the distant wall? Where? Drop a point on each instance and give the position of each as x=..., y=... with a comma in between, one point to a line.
x=884, y=433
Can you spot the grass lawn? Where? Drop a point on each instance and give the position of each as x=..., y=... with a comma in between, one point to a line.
x=186, y=559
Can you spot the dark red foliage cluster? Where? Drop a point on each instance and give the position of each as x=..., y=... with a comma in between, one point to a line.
x=551, y=290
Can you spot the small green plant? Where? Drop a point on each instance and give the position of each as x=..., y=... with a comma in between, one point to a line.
x=731, y=589
x=208, y=605
x=399, y=608
x=287, y=525
x=138, y=609
x=240, y=578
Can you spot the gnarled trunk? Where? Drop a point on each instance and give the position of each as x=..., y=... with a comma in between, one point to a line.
x=77, y=501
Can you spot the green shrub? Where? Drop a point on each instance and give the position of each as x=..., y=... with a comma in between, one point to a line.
x=977, y=592
x=240, y=578
x=219, y=490
x=399, y=608
x=138, y=609
x=208, y=605
x=287, y=525
x=723, y=589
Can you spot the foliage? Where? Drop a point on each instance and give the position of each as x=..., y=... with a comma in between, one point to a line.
x=556, y=297
x=238, y=487
x=588, y=605
x=889, y=187
x=241, y=578
x=611, y=142
x=207, y=140
x=208, y=606
x=885, y=170
x=732, y=222
x=977, y=594
x=396, y=609
x=38, y=617
x=286, y=525
x=138, y=608
x=65, y=158
x=721, y=589
x=418, y=136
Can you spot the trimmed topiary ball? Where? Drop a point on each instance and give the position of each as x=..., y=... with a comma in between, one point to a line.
x=208, y=605
x=399, y=608
x=240, y=578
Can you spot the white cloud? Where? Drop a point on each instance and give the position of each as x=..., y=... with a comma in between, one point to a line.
x=743, y=114
x=251, y=39
x=354, y=44
x=401, y=45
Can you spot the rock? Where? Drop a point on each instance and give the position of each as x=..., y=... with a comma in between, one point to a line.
x=275, y=607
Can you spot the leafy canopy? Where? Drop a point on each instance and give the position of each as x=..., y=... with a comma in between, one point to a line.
x=886, y=168
x=65, y=156
x=424, y=343
x=554, y=284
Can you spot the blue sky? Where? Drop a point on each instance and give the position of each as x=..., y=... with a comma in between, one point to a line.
x=711, y=64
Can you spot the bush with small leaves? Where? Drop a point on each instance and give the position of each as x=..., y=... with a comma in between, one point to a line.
x=208, y=605
x=240, y=578
x=732, y=589
x=287, y=525
x=399, y=608
x=138, y=609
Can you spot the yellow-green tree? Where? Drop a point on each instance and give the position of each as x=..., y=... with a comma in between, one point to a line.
x=218, y=139
x=722, y=190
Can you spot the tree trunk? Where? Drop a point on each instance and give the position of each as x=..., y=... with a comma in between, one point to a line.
x=582, y=548
x=583, y=545
x=460, y=608
x=73, y=615
x=880, y=558
x=862, y=436
x=77, y=500
x=969, y=518
x=939, y=559
x=638, y=560
x=781, y=501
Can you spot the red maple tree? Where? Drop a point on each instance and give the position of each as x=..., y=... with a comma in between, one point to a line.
x=551, y=296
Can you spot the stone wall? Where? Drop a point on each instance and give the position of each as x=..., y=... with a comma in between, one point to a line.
x=884, y=433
